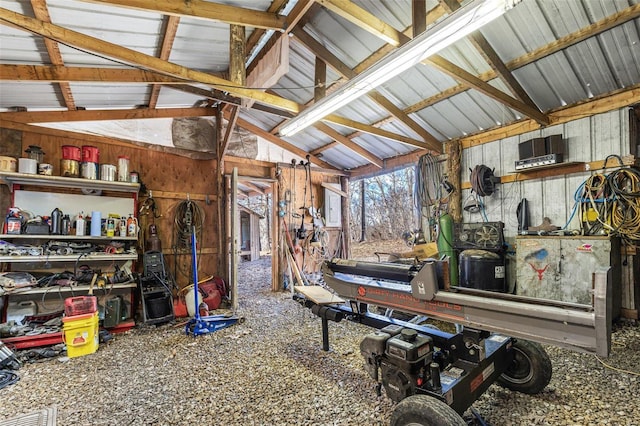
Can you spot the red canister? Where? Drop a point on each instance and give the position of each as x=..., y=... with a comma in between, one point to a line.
x=71, y=152
x=90, y=154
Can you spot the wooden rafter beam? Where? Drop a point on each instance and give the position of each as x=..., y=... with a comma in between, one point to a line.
x=476, y=83
x=231, y=123
x=41, y=12
x=341, y=139
x=281, y=143
x=385, y=32
x=614, y=100
x=341, y=68
x=296, y=14
x=57, y=73
x=94, y=44
x=170, y=26
x=562, y=43
x=366, y=128
x=213, y=94
x=204, y=10
x=107, y=114
x=276, y=7
x=156, y=64
x=432, y=16
x=493, y=59
x=605, y=24
x=419, y=16
x=355, y=14
x=324, y=147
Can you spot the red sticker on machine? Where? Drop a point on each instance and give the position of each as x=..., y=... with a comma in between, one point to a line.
x=477, y=381
x=585, y=248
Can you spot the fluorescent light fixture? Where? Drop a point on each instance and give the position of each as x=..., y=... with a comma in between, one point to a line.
x=456, y=26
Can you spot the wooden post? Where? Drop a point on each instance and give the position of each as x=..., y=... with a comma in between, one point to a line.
x=277, y=260
x=419, y=16
x=320, y=80
x=221, y=199
x=237, y=48
x=363, y=212
x=453, y=150
x=346, y=218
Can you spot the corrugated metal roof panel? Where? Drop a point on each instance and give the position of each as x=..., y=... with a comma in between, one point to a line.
x=418, y=83
x=199, y=45
x=107, y=96
x=33, y=96
x=171, y=98
x=351, y=44
x=342, y=157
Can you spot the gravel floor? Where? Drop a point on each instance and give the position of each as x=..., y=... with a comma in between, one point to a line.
x=270, y=370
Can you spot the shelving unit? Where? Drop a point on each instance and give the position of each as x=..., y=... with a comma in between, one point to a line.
x=64, y=190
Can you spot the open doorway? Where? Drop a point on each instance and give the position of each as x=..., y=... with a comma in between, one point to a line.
x=253, y=233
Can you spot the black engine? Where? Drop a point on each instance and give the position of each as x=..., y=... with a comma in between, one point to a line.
x=402, y=355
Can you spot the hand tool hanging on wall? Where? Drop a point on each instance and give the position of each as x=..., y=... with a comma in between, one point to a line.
x=302, y=232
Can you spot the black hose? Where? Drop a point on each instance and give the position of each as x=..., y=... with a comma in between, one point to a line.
x=7, y=378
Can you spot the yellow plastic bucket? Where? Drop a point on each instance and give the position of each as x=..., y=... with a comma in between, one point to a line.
x=80, y=334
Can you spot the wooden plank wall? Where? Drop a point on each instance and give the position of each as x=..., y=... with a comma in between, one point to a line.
x=587, y=139
x=170, y=178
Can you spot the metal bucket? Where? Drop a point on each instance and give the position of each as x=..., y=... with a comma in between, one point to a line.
x=69, y=168
x=108, y=172
x=89, y=170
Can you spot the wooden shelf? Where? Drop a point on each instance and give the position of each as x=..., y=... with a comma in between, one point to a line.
x=12, y=178
x=70, y=289
x=94, y=257
x=567, y=165
x=559, y=169
x=63, y=237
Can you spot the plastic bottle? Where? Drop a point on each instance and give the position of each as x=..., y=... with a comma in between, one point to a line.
x=122, y=226
x=80, y=225
x=65, y=227
x=132, y=226
x=56, y=221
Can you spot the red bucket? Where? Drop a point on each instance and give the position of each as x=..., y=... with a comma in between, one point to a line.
x=70, y=152
x=90, y=154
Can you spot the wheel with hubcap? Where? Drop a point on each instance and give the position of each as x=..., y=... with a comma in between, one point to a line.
x=530, y=371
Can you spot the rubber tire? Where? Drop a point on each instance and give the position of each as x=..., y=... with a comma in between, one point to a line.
x=531, y=370
x=423, y=410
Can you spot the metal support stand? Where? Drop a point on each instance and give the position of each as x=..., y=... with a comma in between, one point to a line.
x=203, y=325
x=325, y=334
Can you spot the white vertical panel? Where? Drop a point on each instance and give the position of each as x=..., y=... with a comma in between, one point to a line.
x=555, y=207
x=577, y=136
x=605, y=134
x=532, y=191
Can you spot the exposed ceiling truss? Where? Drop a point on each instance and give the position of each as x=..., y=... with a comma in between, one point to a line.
x=159, y=72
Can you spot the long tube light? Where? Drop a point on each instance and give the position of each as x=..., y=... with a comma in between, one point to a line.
x=456, y=26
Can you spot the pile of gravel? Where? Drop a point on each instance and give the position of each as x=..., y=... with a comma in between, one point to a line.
x=271, y=370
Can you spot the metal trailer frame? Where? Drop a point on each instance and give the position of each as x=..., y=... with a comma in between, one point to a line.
x=476, y=363
x=582, y=328
x=473, y=359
